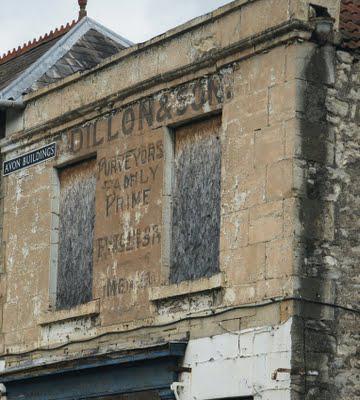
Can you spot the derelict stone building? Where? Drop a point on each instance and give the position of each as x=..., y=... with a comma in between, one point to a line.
x=180, y=218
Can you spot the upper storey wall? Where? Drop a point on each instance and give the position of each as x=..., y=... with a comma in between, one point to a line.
x=244, y=100
x=177, y=52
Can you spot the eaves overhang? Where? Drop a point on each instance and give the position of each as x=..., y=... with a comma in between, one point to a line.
x=16, y=89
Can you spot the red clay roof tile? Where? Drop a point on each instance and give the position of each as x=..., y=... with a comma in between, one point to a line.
x=36, y=42
x=350, y=23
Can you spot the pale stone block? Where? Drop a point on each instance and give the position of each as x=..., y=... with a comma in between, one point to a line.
x=291, y=217
x=10, y=317
x=283, y=102
x=269, y=145
x=266, y=222
x=258, y=73
x=279, y=184
x=250, y=109
x=238, y=153
x=271, y=288
x=279, y=258
x=246, y=190
x=26, y=313
x=267, y=315
x=234, y=230
x=258, y=16
x=91, y=308
x=12, y=341
x=246, y=264
x=186, y=287
x=240, y=294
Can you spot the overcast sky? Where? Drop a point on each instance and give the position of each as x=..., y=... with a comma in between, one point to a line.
x=137, y=20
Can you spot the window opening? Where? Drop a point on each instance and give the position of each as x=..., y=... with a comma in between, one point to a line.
x=76, y=227
x=196, y=182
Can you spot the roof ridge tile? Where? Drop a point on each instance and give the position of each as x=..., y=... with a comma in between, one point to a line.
x=30, y=45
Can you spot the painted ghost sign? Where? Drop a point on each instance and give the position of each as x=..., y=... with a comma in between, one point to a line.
x=132, y=151
x=164, y=108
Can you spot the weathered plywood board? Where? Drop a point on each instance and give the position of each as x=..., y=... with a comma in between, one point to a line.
x=77, y=219
x=196, y=201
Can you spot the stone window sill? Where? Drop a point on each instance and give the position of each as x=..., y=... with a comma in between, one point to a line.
x=187, y=287
x=89, y=309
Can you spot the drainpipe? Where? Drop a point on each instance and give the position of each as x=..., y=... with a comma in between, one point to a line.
x=175, y=388
x=17, y=105
x=323, y=25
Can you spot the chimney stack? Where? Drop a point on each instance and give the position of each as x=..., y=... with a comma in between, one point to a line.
x=82, y=5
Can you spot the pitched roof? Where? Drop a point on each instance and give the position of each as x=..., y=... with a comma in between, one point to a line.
x=10, y=70
x=84, y=43
x=76, y=47
x=87, y=52
x=16, y=52
x=350, y=23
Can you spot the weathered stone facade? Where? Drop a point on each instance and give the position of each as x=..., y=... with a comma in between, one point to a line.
x=257, y=84
x=328, y=334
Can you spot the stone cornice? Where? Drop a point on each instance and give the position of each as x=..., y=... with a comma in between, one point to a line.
x=287, y=32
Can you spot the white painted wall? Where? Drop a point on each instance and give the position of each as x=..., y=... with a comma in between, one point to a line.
x=237, y=364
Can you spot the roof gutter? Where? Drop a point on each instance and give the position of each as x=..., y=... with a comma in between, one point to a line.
x=17, y=105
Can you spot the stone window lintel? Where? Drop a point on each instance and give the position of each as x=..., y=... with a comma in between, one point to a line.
x=92, y=308
x=186, y=288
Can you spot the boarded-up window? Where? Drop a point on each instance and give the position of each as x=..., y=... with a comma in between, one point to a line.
x=196, y=201
x=77, y=218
